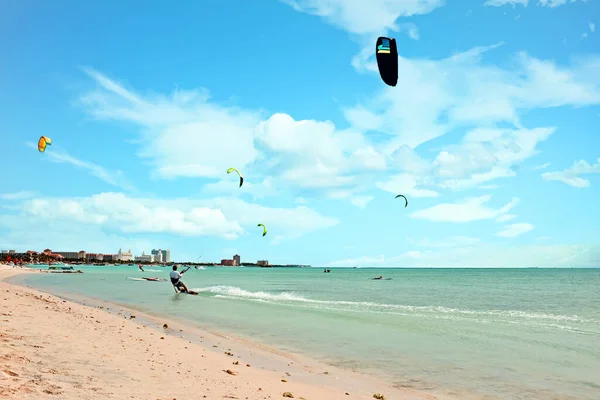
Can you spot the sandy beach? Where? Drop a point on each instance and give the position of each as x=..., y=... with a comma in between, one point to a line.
x=53, y=348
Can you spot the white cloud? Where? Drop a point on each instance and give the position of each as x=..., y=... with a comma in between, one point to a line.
x=463, y=92
x=229, y=187
x=361, y=201
x=183, y=134
x=556, y=255
x=64, y=235
x=482, y=156
x=542, y=3
x=17, y=195
x=313, y=154
x=471, y=209
x=366, y=17
x=570, y=176
x=186, y=136
x=515, y=230
x=361, y=261
x=500, y=3
x=437, y=96
x=225, y=218
x=114, y=178
x=592, y=27
x=453, y=241
x=542, y=166
x=506, y=217
x=406, y=184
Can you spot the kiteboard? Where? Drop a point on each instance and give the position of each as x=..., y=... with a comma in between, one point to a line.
x=191, y=292
x=147, y=279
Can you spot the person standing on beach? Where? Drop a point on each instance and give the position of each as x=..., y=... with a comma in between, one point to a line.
x=176, y=280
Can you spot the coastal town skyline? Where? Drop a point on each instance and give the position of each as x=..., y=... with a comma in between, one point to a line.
x=160, y=256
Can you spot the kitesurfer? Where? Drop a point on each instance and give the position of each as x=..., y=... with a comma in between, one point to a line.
x=176, y=280
x=141, y=268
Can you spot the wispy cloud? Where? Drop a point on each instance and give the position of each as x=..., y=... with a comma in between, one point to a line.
x=453, y=241
x=115, y=178
x=17, y=195
x=571, y=176
x=471, y=209
x=506, y=217
x=515, y=230
x=525, y=3
x=542, y=166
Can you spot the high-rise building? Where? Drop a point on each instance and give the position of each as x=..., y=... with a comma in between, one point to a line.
x=166, y=255
x=236, y=260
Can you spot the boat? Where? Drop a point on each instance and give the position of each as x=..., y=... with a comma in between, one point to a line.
x=62, y=269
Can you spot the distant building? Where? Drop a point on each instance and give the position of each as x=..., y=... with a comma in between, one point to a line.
x=228, y=263
x=236, y=260
x=82, y=255
x=112, y=257
x=69, y=255
x=12, y=251
x=262, y=263
x=124, y=255
x=145, y=257
x=165, y=255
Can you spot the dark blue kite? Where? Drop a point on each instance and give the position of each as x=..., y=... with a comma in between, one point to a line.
x=387, y=60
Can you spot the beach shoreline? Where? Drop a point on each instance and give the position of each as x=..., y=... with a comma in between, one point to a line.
x=153, y=362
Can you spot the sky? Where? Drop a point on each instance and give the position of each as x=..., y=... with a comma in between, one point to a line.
x=491, y=133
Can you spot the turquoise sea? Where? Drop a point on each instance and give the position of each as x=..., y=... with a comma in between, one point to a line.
x=495, y=333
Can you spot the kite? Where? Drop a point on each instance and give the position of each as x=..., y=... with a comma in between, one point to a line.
x=238, y=172
x=405, y=199
x=264, y=229
x=387, y=60
x=44, y=140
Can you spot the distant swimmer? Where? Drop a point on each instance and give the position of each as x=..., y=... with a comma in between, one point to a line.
x=381, y=278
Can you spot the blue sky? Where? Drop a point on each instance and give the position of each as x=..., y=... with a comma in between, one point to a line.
x=491, y=133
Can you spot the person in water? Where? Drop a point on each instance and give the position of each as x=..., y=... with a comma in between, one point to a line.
x=141, y=268
x=176, y=280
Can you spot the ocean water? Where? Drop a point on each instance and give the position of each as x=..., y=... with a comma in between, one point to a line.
x=493, y=333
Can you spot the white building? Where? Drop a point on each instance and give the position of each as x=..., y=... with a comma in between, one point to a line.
x=145, y=257
x=124, y=255
x=165, y=255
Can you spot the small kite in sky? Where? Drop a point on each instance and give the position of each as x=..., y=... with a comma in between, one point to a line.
x=230, y=170
x=405, y=199
x=264, y=229
x=43, y=142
